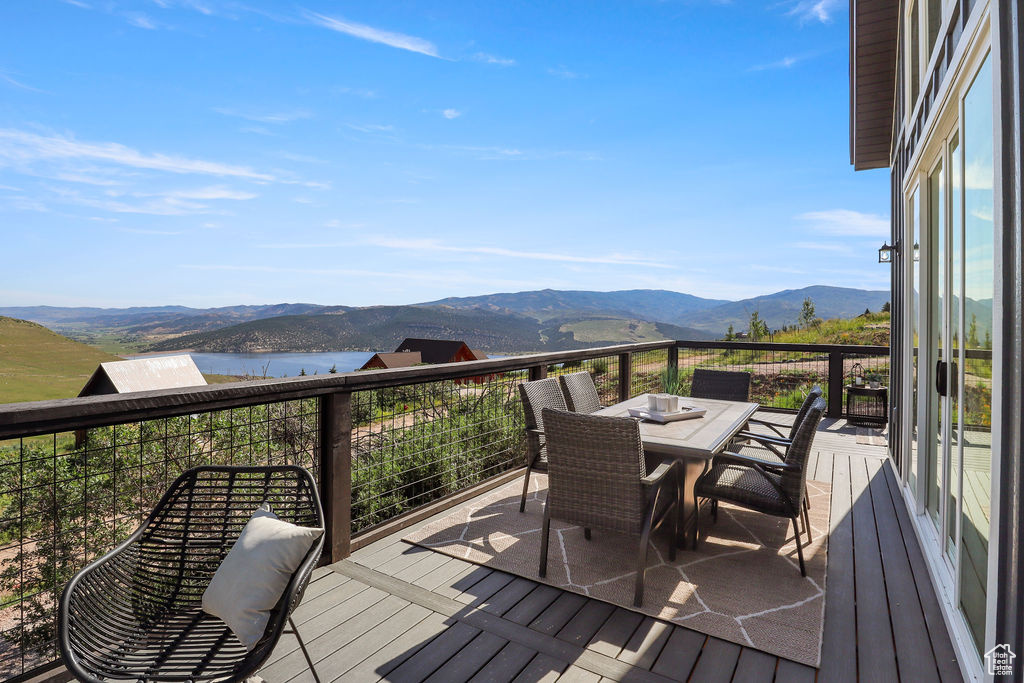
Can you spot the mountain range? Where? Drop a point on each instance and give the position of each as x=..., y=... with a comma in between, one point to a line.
x=522, y=321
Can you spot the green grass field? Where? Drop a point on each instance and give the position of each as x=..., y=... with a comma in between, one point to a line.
x=37, y=364
x=613, y=331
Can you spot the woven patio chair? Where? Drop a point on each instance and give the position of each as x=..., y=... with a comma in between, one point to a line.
x=537, y=395
x=580, y=392
x=726, y=385
x=597, y=479
x=774, y=490
x=136, y=614
x=768, y=447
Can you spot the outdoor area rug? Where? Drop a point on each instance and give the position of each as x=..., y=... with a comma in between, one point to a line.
x=743, y=584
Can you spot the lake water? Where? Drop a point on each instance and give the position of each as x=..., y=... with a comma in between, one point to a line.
x=275, y=364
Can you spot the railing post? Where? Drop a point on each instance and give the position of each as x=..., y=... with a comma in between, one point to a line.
x=835, y=384
x=336, y=473
x=625, y=375
x=673, y=359
x=538, y=372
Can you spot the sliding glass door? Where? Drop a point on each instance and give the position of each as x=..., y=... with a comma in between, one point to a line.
x=949, y=222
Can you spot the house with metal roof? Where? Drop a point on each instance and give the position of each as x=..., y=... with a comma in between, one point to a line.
x=143, y=374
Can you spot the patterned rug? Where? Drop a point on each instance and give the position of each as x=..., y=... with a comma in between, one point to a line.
x=743, y=584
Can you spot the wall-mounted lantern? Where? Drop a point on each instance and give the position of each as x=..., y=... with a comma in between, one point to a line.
x=885, y=253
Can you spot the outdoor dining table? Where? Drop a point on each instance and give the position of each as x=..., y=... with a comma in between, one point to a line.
x=694, y=442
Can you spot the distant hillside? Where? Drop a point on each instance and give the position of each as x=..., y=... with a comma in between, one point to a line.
x=384, y=327
x=545, y=304
x=783, y=308
x=862, y=329
x=37, y=364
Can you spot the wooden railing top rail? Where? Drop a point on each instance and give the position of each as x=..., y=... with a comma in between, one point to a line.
x=66, y=414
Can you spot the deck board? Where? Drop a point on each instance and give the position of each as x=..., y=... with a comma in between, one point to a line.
x=876, y=653
x=399, y=612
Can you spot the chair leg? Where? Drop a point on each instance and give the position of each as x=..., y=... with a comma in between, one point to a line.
x=696, y=520
x=676, y=517
x=807, y=524
x=799, y=548
x=714, y=511
x=526, y=488
x=586, y=533
x=641, y=560
x=302, y=646
x=544, y=542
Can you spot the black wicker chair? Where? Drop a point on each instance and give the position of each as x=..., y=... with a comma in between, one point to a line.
x=135, y=614
x=726, y=385
x=580, y=392
x=536, y=396
x=597, y=478
x=772, y=489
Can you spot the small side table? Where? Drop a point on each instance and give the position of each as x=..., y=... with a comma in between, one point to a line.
x=865, y=405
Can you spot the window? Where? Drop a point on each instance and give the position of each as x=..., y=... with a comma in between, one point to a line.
x=934, y=23
x=914, y=50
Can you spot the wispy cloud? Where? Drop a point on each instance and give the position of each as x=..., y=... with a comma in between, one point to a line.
x=266, y=117
x=845, y=222
x=365, y=93
x=498, y=153
x=375, y=35
x=823, y=246
x=422, y=245
x=139, y=20
x=814, y=10
x=10, y=80
x=451, y=114
x=78, y=3
x=18, y=146
x=784, y=63
x=371, y=127
x=146, y=231
x=492, y=59
x=561, y=72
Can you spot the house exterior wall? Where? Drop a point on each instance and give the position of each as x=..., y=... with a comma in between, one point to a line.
x=962, y=31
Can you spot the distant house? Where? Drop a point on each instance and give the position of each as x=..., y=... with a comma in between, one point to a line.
x=430, y=351
x=398, y=359
x=438, y=350
x=143, y=374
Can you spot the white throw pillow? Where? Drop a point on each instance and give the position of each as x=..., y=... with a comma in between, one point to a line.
x=255, y=573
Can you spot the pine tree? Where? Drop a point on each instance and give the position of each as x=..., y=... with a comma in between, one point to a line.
x=807, y=313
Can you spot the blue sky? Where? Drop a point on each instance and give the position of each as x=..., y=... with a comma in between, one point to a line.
x=213, y=152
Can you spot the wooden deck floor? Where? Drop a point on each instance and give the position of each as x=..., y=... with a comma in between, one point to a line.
x=402, y=613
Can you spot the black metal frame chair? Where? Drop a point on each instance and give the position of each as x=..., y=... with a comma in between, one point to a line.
x=580, y=392
x=774, y=489
x=727, y=385
x=597, y=478
x=537, y=395
x=768, y=446
x=136, y=613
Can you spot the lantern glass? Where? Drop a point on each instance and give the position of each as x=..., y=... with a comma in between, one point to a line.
x=885, y=254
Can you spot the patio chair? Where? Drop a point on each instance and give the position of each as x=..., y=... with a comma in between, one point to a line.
x=768, y=446
x=537, y=395
x=597, y=479
x=726, y=385
x=580, y=392
x=136, y=614
x=777, y=490
x=783, y=433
